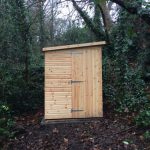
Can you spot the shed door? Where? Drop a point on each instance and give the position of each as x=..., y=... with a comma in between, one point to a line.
x=77, y=82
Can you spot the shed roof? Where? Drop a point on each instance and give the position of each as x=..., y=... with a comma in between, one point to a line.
x=74, y=46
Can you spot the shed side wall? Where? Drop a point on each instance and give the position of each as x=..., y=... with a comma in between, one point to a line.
x=58, y=73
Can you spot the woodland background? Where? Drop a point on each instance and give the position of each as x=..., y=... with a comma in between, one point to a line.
x=26, y=26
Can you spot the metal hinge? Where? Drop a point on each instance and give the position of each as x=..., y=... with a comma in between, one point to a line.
x=75, y=81
x=75, y=110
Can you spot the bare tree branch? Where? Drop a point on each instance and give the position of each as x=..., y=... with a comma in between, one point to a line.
x=104, y=21
x=88, y=21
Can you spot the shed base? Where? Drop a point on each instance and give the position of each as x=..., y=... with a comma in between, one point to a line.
x=70, y=121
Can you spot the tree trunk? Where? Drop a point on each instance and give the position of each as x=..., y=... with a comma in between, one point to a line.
x=106, y=13
x=88, y=21
x=41, y=22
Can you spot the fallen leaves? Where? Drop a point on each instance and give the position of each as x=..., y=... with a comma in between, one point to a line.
x=66, y=141
x=95, y=135
x=55, y=130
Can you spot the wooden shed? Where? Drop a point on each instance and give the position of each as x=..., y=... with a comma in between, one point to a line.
x=73, y=81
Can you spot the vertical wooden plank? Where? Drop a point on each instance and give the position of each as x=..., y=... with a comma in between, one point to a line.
x=44, y=85
x=84, y=83
x=82, y=102
x=74, y=90
x=94, y=81
x=89, y=83
x=77, y=87
x=79, y=75
x=98, y=82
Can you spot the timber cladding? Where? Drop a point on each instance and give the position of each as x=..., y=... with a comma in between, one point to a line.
x=73, y=81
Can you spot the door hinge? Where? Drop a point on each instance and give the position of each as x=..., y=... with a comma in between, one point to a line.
x=75, y=81
x=76, y=110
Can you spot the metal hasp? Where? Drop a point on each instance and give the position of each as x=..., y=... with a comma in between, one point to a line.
x=75, y=110
x=75, y=81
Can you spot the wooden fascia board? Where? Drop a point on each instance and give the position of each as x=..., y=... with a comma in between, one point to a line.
x=74, y=46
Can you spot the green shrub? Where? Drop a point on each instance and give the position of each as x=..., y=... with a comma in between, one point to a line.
x=147, y=135
x=143, y=119
x=124, y=86
x=133, y=93
x=22, y=96
x=6, y=122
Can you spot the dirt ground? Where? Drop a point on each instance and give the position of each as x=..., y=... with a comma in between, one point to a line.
x=108, y=133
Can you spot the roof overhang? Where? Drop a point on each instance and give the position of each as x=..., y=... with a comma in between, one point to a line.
x=74, y=46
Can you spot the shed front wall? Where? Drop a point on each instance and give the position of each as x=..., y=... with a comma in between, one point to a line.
x=73, y=83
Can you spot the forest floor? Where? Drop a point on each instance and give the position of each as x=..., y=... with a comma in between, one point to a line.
x=107, y=133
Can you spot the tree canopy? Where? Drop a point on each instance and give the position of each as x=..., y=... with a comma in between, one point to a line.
x=26, y=26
